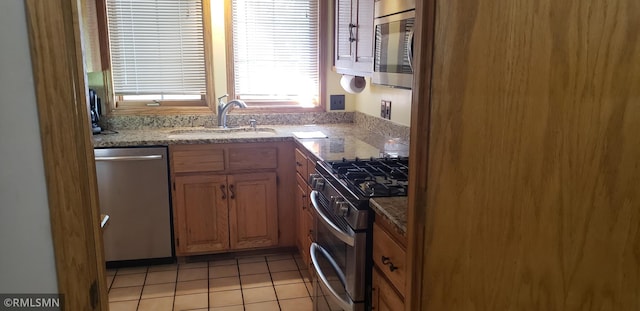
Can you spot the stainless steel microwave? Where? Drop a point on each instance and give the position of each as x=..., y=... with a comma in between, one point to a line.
x=393, y=54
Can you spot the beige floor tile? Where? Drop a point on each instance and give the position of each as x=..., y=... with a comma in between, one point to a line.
x=131, y=305
x=301, y=264
x=297, y=304
x=306, y=275
x=253, y=268
x=251, y=259
x=156, y=304
x=309, y=287
x=228, y=308
x=111, y=272
x=190, y=302
x=158, y=290
x=223, y=284
x=192, y=287
x=258, y=294
x=128, y=280
x=289, y=291
x=226, y=298
x=192, y=274
x=131, y=270
x=222, y=262
x=161, y=277
x=125, y=293
x=109, y=280
x=262, y=306
x=223, y=271
x=279, y=257
x=191, y=265
x=282, y=265
x=286, y=277
x=256, y=280
x=169, y=267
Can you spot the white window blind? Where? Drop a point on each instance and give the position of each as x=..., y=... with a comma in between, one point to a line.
x=157, y=46
x=275, y=50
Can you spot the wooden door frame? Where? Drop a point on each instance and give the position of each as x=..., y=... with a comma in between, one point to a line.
x=61, y=93
x=419, y=150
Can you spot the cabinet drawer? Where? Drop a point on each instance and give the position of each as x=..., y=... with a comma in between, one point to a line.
x=311, y=167
x=252, y=158
x=301, y=163
x=197, y=158
x=387, y=250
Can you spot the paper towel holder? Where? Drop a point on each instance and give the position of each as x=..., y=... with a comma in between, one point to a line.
x=353, y=84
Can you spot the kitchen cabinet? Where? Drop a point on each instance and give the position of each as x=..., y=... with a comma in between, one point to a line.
x=200, y=206
x=389, y=261
x=354, y=37
x=305, y=165
x=227, y=197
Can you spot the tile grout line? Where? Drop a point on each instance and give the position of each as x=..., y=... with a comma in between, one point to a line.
x=273, y=285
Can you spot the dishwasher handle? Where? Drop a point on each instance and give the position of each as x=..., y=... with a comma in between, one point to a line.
x=131, y=158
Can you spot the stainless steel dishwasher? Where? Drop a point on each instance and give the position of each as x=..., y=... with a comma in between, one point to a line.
x=133, y=187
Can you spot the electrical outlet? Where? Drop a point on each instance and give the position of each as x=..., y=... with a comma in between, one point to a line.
x=388, y=110
x=383, y=109
x=336, y=102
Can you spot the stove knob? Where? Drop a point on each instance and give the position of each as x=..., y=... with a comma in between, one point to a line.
x=342, y=208
x=312, y=177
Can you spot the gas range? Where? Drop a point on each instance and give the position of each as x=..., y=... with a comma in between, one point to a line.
x=357, y=180
x=343, y=246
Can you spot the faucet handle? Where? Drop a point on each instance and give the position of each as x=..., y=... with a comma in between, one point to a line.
x=223, y=96
x=252, y=123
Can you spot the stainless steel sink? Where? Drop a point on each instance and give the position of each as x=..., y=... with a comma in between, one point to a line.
x=222, y=132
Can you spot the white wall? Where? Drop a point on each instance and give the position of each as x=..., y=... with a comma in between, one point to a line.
x=369, y=102
x=27, y=262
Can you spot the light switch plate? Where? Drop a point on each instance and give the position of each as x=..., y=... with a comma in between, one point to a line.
x=383, y=109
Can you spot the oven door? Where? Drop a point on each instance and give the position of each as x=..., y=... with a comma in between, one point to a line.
x=339, y=260
x=393, y=57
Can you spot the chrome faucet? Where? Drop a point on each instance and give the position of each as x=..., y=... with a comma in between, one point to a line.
x=224, y=108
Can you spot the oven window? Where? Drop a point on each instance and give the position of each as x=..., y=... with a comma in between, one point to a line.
x=392, y=48
x=333, y=245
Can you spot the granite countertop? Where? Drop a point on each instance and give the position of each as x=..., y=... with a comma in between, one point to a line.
x=343, y=141
x=394, y=209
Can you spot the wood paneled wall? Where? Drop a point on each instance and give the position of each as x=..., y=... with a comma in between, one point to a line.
x=533, y=199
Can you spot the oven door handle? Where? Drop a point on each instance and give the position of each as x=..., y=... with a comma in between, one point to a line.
x=314, y=249
x=345, y=237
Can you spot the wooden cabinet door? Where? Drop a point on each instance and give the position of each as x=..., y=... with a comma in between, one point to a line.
x=253, y=210
x=201, y=214
x=363, y=60
x=384, y=297
x=344, y=49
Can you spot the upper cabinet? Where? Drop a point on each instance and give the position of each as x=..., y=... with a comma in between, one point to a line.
x=354, y=37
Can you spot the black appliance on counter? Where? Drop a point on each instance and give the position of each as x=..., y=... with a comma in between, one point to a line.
x=343, y=246
x=94, y=111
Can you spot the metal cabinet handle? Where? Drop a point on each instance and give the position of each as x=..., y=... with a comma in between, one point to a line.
x=232, y=190
x=387, y=262
x=224, y=192
x=352, y=37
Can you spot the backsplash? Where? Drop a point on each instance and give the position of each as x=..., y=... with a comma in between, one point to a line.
x=132, y=122
x=362, y=120
x=381, y=126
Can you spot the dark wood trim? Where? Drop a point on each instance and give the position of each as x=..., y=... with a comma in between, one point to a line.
x=103, y=34
x=61, y=92
x=419, y=151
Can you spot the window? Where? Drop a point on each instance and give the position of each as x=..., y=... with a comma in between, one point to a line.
x=275, y=52
x=157, y=50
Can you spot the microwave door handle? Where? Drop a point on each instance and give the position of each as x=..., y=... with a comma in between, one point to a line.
x=335, y=230
x=410, y=49
x=313, y=250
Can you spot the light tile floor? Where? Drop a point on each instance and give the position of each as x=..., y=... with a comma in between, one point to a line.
x=264, y=283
